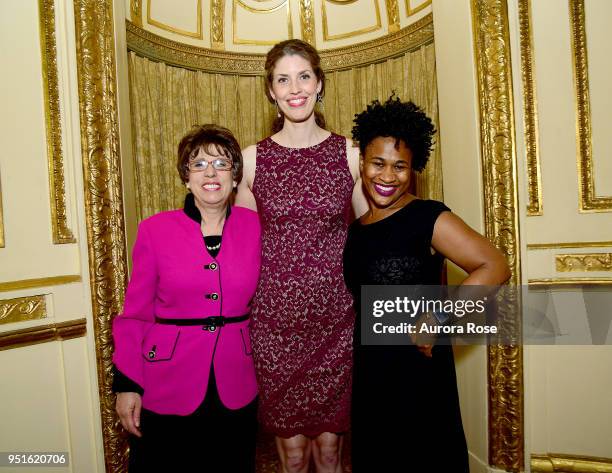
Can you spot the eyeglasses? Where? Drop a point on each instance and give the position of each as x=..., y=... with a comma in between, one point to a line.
x=218, y=164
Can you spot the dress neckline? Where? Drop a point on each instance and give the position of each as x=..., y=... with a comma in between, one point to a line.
x=304, y=147
x=364, y=225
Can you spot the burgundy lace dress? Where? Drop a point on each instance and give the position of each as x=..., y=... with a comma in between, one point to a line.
x=302, y=316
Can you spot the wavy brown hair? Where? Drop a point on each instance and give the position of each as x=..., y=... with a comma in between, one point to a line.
x=300, y=48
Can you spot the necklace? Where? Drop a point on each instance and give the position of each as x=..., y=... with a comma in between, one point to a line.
x=214, y=247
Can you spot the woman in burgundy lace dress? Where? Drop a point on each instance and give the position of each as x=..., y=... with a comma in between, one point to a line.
x=301, y=181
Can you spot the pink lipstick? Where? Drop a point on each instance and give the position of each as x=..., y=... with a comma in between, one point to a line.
x=385, y=191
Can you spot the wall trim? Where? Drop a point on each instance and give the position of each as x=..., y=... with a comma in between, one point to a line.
x=564, y=282
x=53, y=124
x=569, y=244
x=530, y=107
x=499, y=173
x=583, y=262
x=104, y=215
x=43, y=333
x=589, y=201
x=39, y=282
x=564, y=463
x=155, y=47
x=22, y=309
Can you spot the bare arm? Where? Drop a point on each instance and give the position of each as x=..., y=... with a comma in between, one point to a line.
x=245, y=197
x=469, y=250
x=360, y=204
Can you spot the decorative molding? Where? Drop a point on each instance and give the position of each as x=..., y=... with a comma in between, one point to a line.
x=155, y=47
x=411, y=11
x=190, y=34
x=217, y=14
x=589, y=201
x=505, y=363
x=406, y=40
x=530, y=107
x=573, y=244
x=585, y=262
x=161, y=49
x=97, y=84
x=22, y=309
x=53, y=124
x=559, y=463
x=547, y=282
x=39, y=282
x=136, y=12
x=42, y=334
x=393, y=16
x=1, y=217
x=307, y=21
x=263, y=11
x=350, y=34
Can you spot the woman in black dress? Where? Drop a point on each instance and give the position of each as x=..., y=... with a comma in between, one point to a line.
x=406, y=415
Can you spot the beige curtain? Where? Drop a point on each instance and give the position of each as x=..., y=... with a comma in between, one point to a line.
x=166, y=101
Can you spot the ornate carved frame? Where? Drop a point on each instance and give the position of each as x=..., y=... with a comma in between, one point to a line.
x=499, y=167
x=103, y=197
x=105, y=223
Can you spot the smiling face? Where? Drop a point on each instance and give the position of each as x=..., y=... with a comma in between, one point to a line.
x=385, y=171
x=295, y=87
x=211, y=187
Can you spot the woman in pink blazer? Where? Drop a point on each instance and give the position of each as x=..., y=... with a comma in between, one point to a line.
x=184, y=372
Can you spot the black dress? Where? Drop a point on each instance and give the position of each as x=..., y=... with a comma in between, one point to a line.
x=405, y=412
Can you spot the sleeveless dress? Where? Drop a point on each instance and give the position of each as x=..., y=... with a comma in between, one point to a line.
x=406, y=415
x=302, y=315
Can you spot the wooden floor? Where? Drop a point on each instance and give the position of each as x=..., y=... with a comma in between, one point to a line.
x=267, y=459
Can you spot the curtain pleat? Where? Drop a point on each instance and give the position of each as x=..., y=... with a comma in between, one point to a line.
x=166, y=101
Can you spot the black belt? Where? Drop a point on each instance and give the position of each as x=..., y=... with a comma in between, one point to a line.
x=207, y=323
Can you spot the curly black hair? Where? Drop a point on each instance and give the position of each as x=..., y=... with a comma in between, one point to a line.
x=403, y=121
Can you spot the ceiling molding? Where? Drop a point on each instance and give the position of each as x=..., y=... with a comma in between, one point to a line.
x=174, y=53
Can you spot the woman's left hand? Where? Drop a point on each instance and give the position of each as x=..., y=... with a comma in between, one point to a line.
x=128, y=406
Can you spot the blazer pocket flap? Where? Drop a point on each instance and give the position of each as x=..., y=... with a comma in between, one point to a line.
x=160, y=343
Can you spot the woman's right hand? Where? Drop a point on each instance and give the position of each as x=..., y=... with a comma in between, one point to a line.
x=128, y=407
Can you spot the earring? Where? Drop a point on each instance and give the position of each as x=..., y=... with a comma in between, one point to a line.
x=188, y=186
x=320, y=101
x=278, y=113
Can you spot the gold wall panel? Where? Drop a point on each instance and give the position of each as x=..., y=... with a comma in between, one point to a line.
x=331, y=37
x=259, y=11
x=22, y=308
x=393, y=16
x=583, y=262
x=99, y=128
x=42, y=334
x=190, y=34
x=136, y=12
x=411, y=11
x=505, y=363
x=530, y=110
x=38, y=282
x=217, y=24
x=589, y=201
x=155, y=47
x=307, y=21
x=559, y=463
x=53, y=124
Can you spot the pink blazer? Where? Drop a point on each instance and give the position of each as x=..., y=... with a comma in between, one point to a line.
x=172, y=278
